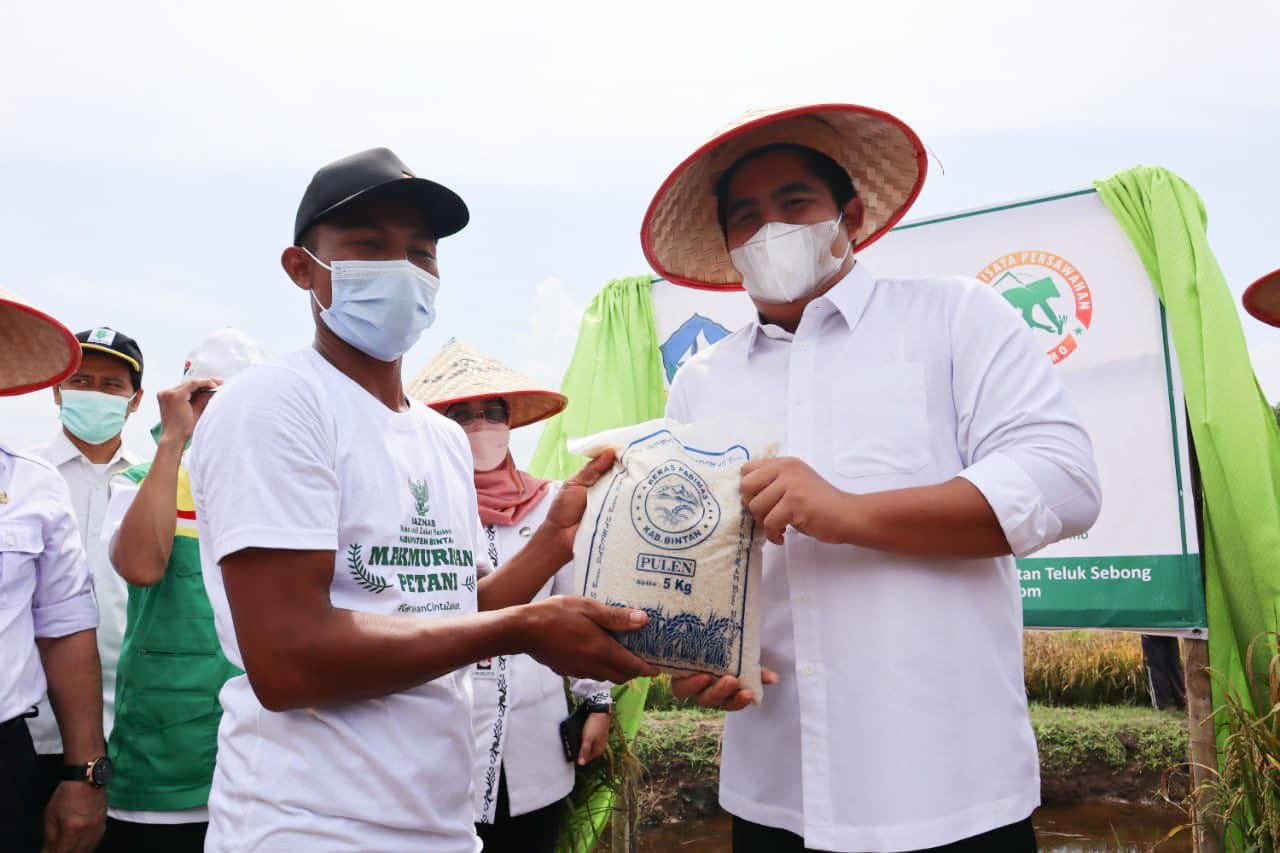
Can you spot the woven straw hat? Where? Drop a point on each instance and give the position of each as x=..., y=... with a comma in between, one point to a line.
x=1262, y=298
x=681, y=235
x=460, y=373
x=37, y=350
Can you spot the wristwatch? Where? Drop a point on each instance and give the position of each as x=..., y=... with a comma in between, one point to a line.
x=96, y=773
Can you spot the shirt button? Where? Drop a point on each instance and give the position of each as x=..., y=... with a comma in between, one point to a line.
x=9, y=540
x=809, y=670
x=802, y=347
x=802, y=599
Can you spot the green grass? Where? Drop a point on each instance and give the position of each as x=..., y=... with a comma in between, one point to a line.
x=680, y=735
x=1115, y=736
x=1119, y=737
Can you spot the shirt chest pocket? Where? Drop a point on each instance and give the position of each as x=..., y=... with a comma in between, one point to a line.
x=880, y=421
x=20, y=545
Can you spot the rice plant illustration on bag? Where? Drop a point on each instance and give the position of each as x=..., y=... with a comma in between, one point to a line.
x=666, y=531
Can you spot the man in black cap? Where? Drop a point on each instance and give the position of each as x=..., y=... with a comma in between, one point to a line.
x=342, y=555
x=88, y=451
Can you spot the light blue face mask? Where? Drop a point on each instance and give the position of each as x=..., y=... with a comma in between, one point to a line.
x=92, y=416
x=379, y=307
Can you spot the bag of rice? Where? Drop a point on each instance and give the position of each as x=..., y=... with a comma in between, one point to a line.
x=666, y=532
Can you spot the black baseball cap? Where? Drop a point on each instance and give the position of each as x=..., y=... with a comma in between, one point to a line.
x=378, y=171
x=104, y=339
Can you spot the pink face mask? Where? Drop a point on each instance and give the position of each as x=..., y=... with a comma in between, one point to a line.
x=488, y=443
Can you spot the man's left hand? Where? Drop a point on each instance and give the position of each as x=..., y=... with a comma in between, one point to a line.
x=567, y=509
x=595, y=736
x=75, y=818
x=785, y=492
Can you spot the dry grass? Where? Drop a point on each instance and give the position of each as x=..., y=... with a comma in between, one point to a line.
x=1084, y=668
x=1243, y=794
x=1062, y=668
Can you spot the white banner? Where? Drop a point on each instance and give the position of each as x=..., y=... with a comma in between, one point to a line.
x=1066, y=267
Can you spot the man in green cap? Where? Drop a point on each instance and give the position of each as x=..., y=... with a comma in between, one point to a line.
x=89, y=451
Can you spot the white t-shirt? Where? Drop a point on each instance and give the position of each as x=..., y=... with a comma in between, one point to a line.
x=294, y=455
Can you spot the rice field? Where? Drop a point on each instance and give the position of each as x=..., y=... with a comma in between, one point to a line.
x=1073, y=668
x=1084, y=668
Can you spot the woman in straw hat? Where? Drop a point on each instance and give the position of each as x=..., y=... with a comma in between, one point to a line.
x=47, y=615
x=522, y=773
x=929, y=440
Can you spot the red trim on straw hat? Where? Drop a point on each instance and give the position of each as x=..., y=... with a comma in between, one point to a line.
x=1262, y=298
x=646, y=236
x=68, y=338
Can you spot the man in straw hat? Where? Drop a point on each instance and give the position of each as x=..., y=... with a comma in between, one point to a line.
x=47, y=616
x=521, y=772
x=342, y=554
x=926, y=439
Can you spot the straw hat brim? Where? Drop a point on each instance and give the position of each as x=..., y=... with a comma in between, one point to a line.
x=1262, y=298
x=527, y=407
x=460, y=373
x=681, y=234
x=38, y=350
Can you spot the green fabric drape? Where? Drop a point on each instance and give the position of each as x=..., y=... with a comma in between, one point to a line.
x=1236, y=439
x=615, y=379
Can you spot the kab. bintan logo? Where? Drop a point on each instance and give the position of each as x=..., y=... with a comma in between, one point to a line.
x=1051, y=293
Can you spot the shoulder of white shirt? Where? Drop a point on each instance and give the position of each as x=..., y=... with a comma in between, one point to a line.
x=30, y=457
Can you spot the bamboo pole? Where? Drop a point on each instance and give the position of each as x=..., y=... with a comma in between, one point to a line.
x=1207, y=837
x=620, y=830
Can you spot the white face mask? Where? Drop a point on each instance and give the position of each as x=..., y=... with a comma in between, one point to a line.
x=784, y=262
x=379, y=307
x=489, y=443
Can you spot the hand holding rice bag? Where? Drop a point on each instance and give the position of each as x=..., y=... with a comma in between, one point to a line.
x=666, y=532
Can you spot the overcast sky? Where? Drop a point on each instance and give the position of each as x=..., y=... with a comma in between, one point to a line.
x=152, y=155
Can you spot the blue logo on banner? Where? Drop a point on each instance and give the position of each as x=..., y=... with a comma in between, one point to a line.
x=693, y=335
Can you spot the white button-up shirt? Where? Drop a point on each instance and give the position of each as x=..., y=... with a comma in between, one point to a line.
x=45, y=590
x=90, y=487
x=519, y=703
x=900, y=721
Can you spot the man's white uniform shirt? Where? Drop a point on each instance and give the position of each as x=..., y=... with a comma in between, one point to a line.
x=901, y=720
x=45, y=588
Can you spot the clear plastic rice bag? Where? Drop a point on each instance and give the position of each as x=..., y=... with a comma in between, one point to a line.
x=666, y=531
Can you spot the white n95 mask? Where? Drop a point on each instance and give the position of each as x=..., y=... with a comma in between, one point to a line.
x=379, y=307
x=784, y=262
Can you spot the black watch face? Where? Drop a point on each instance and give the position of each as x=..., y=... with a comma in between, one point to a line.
x=100, y=775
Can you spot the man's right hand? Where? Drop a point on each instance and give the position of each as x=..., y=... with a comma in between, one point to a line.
x=570, y=634
x=177, y=411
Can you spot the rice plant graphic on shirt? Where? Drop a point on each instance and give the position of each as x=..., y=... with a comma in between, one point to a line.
x=366, y=579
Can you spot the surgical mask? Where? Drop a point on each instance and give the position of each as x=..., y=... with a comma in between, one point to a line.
x=489, y=442
x=92, y=416
x=784, y=262
x=379, y=307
